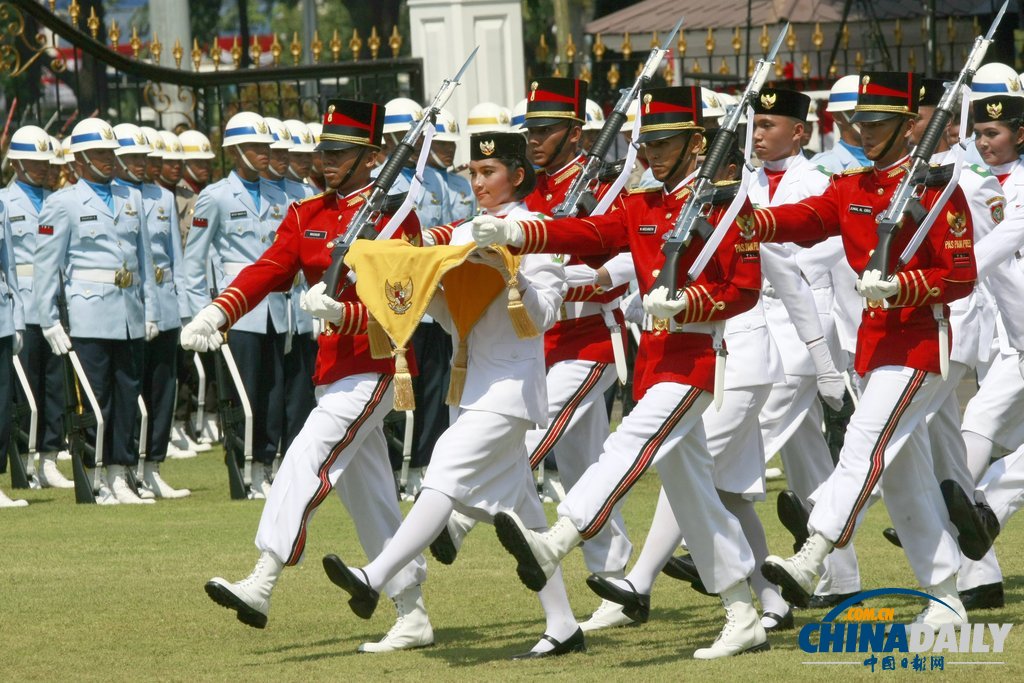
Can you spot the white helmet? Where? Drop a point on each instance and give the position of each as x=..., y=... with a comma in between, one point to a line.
x=996, y=79
x=282, y=138
x=155, y=142
x=131, y=140
x=195, y=145
x=712, y=104
x=447, y=127
x=65, y=147
x=30, y=142
x=631, y=112
x=518, y=116
x=246, y=126
x=315, y=128
x=92, y=133
x=302, y=139
x=488, y=117
x=57, y=150
x=843, y=95
x=812, y=111
x=595, y=116
x=172, y=146
x=727, y=101
x=401, y=114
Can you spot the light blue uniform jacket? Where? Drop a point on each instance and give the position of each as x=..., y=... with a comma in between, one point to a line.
x=12, y=313
x=23, y=220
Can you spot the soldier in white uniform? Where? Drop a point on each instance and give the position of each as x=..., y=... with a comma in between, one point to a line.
x=30, y=155
x=159, y=365
x=12, y=329
x=234, y=222
x=92, y=239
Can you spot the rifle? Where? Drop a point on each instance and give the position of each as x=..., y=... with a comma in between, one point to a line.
x=21, y=477
x=907, y=198
x=580, y=196
x=369, y=213
x=693, y=218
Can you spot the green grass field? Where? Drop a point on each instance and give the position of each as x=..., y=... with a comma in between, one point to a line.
x=95, y=593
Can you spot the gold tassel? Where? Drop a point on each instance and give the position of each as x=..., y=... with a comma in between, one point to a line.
x=380, y=345
x=404, y=398
x=521, y=321
x=457, y=381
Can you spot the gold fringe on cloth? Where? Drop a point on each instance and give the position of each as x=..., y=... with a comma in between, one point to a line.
x=380, y=345
x=404, y=399
x=522, y=323
x=457, y=381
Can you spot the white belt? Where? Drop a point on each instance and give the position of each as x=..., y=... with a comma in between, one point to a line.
x=674, y=327
x=234, y=268
x=24, y=270
x=570, y=310
x=164, y=276
x=98, y=275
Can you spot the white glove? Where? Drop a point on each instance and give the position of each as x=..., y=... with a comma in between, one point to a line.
x=488, y=230
x=427, y=239
x=18, y=342
x=58, y=339
x=203, y=333
x=487, y=257
x=151, y=330
x=316, y=302
x=830, y=383
x=658, y=304
x=632, y=308
x=873, y=286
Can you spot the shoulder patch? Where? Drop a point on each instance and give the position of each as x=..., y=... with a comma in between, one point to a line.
x=642, y=190
x=857, y=169
x=824, y=171
x=316, y=196
x=980, y=170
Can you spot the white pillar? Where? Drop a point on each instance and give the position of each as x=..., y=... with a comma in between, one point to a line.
x=169, y=20
x=444, y=32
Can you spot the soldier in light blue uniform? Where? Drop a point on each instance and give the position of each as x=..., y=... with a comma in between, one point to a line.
x=234, y=222
x=45, y=372
x=12, y=328
x=461, y=200
x=161, y=353
x=846, y=152
x=93, y=234
x=290, y=162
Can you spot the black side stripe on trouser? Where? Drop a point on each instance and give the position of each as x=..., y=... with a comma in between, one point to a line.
x=324, y=487
x=561, y=422
x=877, y=464
x=641, y=463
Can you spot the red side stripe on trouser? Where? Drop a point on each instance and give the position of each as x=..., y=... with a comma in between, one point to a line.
x=642, y=462
x=878, y=454
x=557, y=429
x=324, y=487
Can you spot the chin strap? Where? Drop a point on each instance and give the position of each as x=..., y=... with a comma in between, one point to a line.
x=92, y=167
x=890, y=143
x=248, y=164
x=191, y=173
x=679, y=161
x=561, y=143
x=127, y=171
x=353, y=167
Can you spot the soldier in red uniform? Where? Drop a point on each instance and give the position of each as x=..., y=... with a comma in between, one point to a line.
x=342, y=444
x=674, y=377
x=897, y=351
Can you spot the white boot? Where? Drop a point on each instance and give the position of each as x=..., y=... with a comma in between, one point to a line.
x=742, y=632
x=155, y=483
x=49, y=475
x=250, y=597
x=176, y=453
x=798, y=575
x=552, y=491
x=538, y=554
x=259, y=480
x=118, y=481
x=607, y=615
x=412, y=629
x=100, y=487
x=413, y=483
x=6, y=502
x=196, y=446
x=935, y=614
x=64, y=455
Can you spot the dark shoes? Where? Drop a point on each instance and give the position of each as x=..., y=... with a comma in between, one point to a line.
x=793, y=516
x=988, y=596
x=636, y=606
x=364, y=599
x=573, y=643
x=781, y=623
x=828, y=601
x=891, y=536
x=682, y=568
x=975, y=523
x=443, y=548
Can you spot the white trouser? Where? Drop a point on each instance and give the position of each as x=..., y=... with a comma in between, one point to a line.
x=341, y=446
x=1002, y=487
x=886, y=441
x=791, y=426
x=665, y=429
x=578, y=427
x=995, y=411
x=734, y=441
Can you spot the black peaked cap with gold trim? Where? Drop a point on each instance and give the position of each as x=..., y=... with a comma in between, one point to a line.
x=665, y=112
x=497, y=146
x=351, y=123
x=998, y=108
x=779, y=102
x=884, y=94
x=555, y=100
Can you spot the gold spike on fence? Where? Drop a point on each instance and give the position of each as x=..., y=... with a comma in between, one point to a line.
x=709, y=42
x=316, y=47
x=135, y=42
x=215, y=54
x=791, y=38
x=93, y=22
x=655, y=42
x=598, y=48
x=613, y=76
x=255, y=51
x=764, y=40
x=681, y=44
x=897, y=33
x=155, y=48
x=542, y=49
x=395, y=41
x=570, y=50
x=737, y=43
x=114, y=34
x=724, y=67
x=177, y=52
x=817, y=38
x=74, y=11
x=355, y=44
x=585, y=74
x=373, y=42
x=627, y=47
x=275, y=51
x=236, y=53
x=197, y=54
x=805, y=65
x=696, y=67
x=295, y=49
x=336, y=45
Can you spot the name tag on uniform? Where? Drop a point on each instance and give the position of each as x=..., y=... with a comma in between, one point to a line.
x=15, y=219
x=45, y=229
x=863, y=210
x=200, y=222
x=239, y=214
x=315, y=234
x=961, y=259
x=85, y=219
x=648, y=229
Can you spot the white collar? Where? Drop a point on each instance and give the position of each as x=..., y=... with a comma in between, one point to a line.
x=886, y=168
x=781, y=164
x=1003, y=169
x=502, y=210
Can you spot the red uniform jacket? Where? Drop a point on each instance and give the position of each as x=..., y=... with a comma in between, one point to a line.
x=942, y=269
x=304, y=242
x=585, y=338
x=730, y=284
